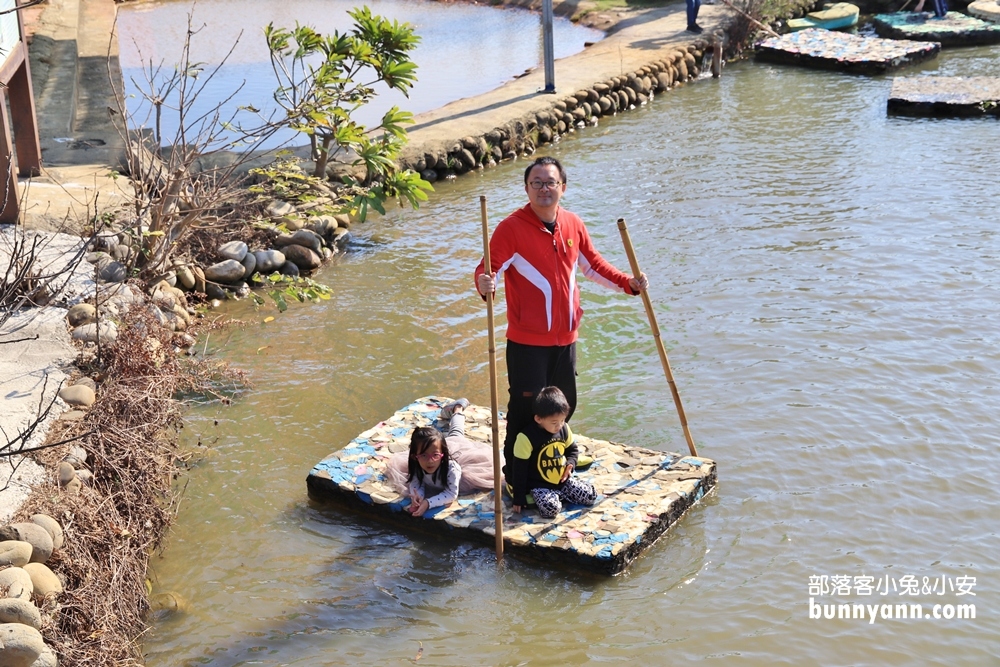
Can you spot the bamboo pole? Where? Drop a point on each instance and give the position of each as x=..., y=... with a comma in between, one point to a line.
x=664, y=361
x=494, y=398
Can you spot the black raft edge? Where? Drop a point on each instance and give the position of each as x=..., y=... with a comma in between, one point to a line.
x=947, y=38
x=326, y=492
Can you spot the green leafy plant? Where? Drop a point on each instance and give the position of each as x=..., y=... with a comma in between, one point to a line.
x=279, y=286
x=324, y=80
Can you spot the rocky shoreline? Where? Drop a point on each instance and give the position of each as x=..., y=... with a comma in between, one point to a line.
x=644, y=55
x=521, y=137
x=25, y=548
x=292, y=245
x=101, y=420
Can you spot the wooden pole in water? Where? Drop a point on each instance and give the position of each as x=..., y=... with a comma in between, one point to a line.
x=494, y=398
x=630, y=251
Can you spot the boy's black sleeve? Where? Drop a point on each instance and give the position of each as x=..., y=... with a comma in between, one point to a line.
x=519, y=468
x=572, y=451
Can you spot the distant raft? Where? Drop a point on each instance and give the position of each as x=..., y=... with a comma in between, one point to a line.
x=832, y=17
x=642, y=492
x=824, y=49
x=953, y=29
x=945, y=96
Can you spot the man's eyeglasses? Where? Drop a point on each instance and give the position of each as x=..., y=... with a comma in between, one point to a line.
x=431, y=458
x=548, y=185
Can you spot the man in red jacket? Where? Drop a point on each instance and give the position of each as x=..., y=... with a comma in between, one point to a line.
x=538, y=249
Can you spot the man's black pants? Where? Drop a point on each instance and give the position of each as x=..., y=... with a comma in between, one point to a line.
x=531, y=368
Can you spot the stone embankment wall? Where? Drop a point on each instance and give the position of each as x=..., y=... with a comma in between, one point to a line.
x=523, y=136
x=28, y=589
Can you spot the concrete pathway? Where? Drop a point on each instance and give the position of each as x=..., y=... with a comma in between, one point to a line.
x=36, y=355
x=639, y=41
x=69, y=63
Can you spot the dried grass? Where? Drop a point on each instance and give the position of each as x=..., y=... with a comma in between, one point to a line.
x=114, y=526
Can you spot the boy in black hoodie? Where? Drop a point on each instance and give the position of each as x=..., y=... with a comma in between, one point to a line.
x=544, y=459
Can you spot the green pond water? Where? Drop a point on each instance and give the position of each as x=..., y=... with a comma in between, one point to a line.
x=826, y=279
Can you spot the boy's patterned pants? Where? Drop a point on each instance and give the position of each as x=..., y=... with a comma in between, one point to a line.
x=572, y=490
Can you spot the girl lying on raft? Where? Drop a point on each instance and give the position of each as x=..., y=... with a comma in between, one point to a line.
x=439, y=466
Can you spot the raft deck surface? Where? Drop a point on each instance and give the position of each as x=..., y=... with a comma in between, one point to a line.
x=954, y=29
x=825, y=49
x=642, y=492
x=945, y=96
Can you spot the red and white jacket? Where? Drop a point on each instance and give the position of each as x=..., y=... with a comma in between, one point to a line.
x=539, y=269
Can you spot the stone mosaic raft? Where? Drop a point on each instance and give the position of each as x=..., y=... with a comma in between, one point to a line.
x=945, y=96
x=642, y=492
x=954, y=29
x=826, y=49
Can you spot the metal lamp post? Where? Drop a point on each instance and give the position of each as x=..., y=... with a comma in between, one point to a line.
x=547, y=47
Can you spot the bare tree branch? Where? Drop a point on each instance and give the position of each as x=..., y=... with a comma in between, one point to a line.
x=18, y=8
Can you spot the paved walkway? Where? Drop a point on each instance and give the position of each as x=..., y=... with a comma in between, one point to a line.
x=35, y=356
x=640, y=40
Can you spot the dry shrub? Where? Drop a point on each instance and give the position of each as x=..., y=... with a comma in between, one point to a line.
x=114, y=526
x=748, y=23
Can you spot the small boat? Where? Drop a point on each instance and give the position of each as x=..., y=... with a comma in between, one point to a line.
x=831, y=17
x=987, y=10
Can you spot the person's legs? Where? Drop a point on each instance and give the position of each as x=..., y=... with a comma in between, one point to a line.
x=578, y=492
x=562, y=373
x=531, y=368
x=547, y=502
x=455, y=414
x=456, y=425
x=692, y=15
x=527, y=368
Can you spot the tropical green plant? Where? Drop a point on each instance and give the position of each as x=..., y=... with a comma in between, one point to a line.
x=324, y=80
x=279, y=286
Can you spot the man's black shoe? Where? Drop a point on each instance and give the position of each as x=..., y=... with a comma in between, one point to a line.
x=695, y=28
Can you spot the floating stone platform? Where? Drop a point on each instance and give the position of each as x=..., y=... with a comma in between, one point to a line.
x=955, y=29
x=826, y=49
x=945, y=96
x=642, y=492
x=987, y=10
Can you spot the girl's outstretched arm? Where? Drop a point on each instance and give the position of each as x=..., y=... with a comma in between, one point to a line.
x=450, y=492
